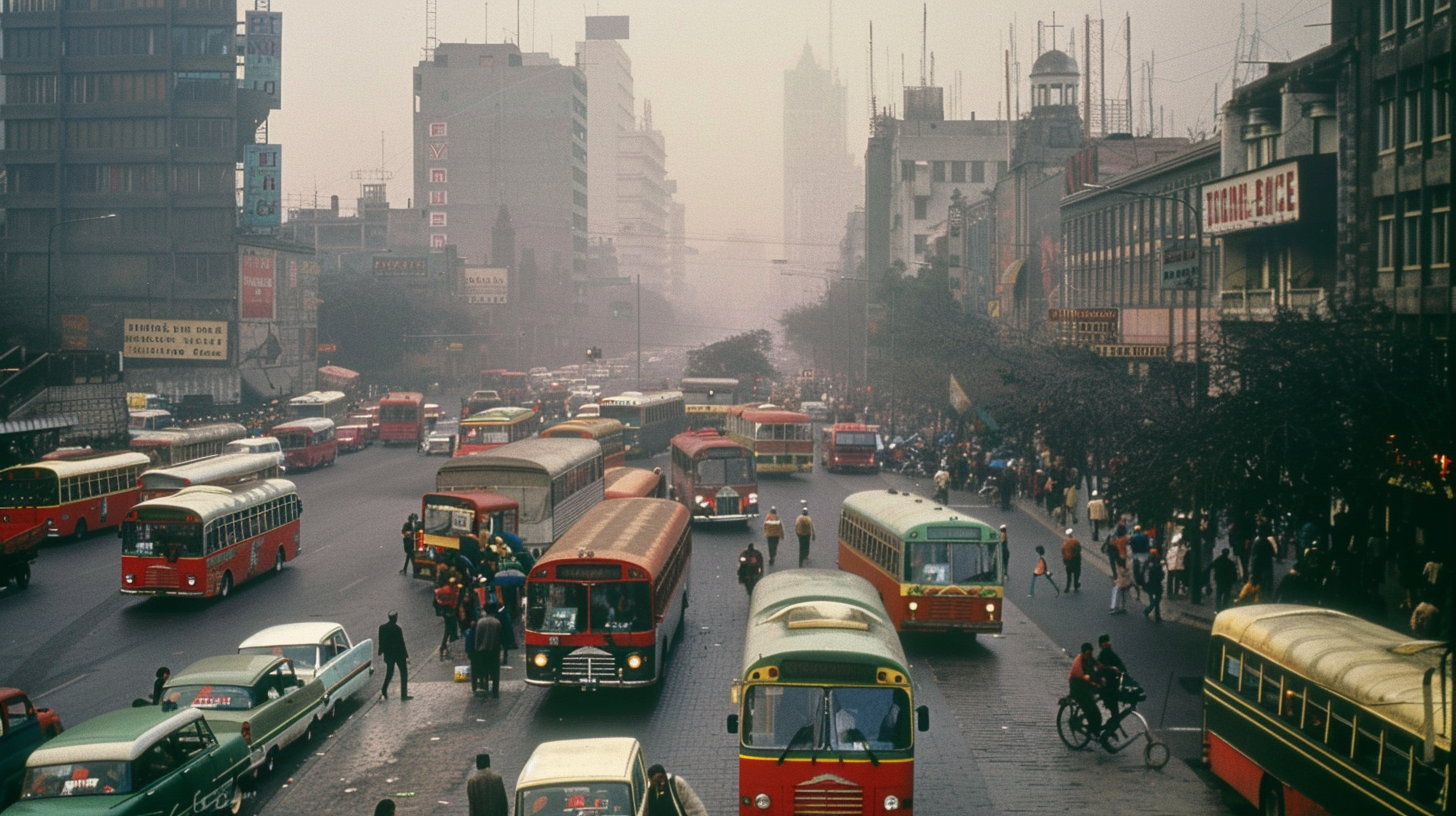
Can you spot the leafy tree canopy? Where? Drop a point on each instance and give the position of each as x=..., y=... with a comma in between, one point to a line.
x=744, y=356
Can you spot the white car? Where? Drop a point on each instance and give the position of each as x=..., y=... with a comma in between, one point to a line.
x=318, y=649
x=438, y=442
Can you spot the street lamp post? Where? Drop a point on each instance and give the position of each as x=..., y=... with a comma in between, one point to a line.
x=50, y=239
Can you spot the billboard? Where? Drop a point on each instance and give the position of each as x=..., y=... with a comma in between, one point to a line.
x=263, y=54
x=256, y=278
x=260, y=186
x=1180, y=263
x=395, y=266
x=175, y=339
x=484, y=285
x=1263, y=198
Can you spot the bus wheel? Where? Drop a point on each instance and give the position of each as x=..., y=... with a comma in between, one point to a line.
x=22, y=576
x=1271, y=797
x=225, y=587
x=80, y=531
x=278, y=562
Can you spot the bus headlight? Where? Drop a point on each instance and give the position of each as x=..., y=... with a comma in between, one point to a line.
x=753, y=498
x=761, y=801
x=892, y=802
x=540, y=660
x=130, y=579
x=192, y=580
x=914, y=605
x=990, y=607
x=634, y=661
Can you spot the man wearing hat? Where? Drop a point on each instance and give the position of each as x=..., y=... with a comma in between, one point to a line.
x=392, y=649
x=407, y=532
x=1072, y=560
x=804, y=529
x=773, y=530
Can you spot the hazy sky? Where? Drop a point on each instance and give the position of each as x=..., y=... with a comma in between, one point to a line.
x=714, y=74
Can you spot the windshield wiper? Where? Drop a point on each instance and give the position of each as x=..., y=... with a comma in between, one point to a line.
x=806, y=731
x=854, y=735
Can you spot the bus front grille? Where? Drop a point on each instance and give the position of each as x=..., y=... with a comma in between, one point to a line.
x=819, y=797
x=726, y=505
x=959, y=609
x=160, y=577
x=588, y=665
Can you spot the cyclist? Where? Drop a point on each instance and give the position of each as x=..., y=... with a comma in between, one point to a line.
x=1084, y=683
x=1113, y=674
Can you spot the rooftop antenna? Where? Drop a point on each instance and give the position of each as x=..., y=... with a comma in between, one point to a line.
x=924, y=26
x=873, y=104
x=431, y=40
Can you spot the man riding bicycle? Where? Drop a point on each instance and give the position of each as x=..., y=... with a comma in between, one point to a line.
x=1084, y=683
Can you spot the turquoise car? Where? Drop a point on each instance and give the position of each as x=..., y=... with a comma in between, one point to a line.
x=257, y=696
x=136, y=761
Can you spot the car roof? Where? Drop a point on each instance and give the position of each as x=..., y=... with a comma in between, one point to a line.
x=290, y=634
x=118, y=736
x=579, y=759
x=229, y=670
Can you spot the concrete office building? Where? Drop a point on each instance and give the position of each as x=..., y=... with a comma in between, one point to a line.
x=821, y=184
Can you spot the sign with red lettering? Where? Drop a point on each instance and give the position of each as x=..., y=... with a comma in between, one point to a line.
x=256, y=278
x=1263, y=198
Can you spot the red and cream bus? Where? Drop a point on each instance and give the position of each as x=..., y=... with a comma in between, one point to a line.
x=173, y=446
x=69, y=496
x=634, y=483
x=603, y=606
x=825, y=701
x=609, y=433
x=402, y=418
x=494, y=427
x=849, y=446
x=714, y=477
x=225, y=469
x=307, y=443
x=202, y=541
x=781, y=441
x=329, y=404
x=554, y=481
x=936, y=569
x=515, y=387
x=446, y=518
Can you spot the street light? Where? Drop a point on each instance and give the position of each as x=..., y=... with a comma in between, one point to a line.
x=50, y=238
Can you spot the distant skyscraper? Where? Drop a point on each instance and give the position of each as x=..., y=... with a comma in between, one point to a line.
x=821, y=184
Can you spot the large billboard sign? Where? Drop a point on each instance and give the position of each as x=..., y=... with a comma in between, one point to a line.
x=397, y=266
x=263, y=54
x=257, y=280
x=484, y=285
x=175, y=339
x=1264, y=198
x=261, y=198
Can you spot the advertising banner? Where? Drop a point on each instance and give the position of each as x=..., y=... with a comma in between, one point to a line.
x=395, y=266
x=257, y=274
x=175, y=339
x=1180, y=263
x=1263, y=198
x=484, y=285
x=260, y=186
x=263, y=54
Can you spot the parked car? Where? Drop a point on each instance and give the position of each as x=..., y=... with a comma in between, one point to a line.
x=136, y=761
x=258, y=696
x=318, y=649
x=603, y=775
x=352, y=437
x=23, y=728
x=438, y=442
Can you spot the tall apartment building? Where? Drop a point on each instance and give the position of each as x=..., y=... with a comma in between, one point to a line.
x=497, y=129
x=821, y=185
x=610, y=114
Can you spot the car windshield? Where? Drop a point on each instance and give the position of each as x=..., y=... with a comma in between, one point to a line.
x=561, y=607
x=303, y=656
x=585, y=799
x=97, y=778
x=224, y=698
x=839, y=719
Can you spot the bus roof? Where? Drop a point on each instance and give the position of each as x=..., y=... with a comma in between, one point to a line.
x=770, y=414
x=550, y=456
x=695, y=442
x=211, y=501
x=318, y=398
x=196, y=433
x=585, y=428
x=707, y=382
x=639, y=398
x=1376, y=667
x=629, y=482
x=504, y=413
x=314, y=424
x=484, y=500
x=403, y=396
x=900, y=513
x=202, y=471
x=853, y=426
x=62, y=468
x=819, y=613
x=639, y=531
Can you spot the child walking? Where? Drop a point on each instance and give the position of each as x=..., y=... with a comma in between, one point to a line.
x=1041, y=571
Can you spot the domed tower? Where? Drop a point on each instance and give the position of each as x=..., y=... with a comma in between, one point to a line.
x=1054, y=79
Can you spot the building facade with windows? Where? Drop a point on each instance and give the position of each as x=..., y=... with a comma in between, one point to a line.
x=821, y=185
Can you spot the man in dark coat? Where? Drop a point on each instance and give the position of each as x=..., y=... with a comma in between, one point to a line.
x=485, y=790
x=485, y=648
x=392, y=649
x=1225, y=575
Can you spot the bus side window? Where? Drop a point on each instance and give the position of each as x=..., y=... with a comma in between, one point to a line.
x=1316, y=714
x=1233, y=665
x=1341, y=734
x=1270, y=689
x=1369, y=744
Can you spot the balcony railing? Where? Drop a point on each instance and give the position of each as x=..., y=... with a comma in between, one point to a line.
x=1260, y=304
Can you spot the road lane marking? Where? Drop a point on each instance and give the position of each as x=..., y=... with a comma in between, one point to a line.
x=58, y=688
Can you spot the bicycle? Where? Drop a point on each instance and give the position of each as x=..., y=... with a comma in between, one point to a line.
x=1072, y=727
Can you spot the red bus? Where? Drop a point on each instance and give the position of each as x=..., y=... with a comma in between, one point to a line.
x=402, y=418
x=307, y=443
x=603, y=605
x=225, y=469
x=634, y=483
x=447, y=517
x=69, y=496
x=781, y=441
x=515, y=387
x=201, y=541
x=849, y=446
x=714, y=477
x=173, y=446
x=493, y=379
x=824, y=680
x=609, y=433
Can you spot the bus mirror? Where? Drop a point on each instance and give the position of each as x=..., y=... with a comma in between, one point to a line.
x=922, y=718
x=733, y=723
x=735, y=693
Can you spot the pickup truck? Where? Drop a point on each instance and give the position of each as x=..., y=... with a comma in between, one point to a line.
x=17, y=552
x=23, y=728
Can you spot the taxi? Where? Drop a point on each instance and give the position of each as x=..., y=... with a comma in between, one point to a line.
x=600, y=776
x=258, y=696
x=135, y=761
x=318, y=649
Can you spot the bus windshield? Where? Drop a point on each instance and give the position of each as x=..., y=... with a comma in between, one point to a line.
x=175, y=539
x=738, y=470
x=951, y=562
x=629, y=415
x=446, y=520
x=854, y=439
x=564, y=608
x=838, y=719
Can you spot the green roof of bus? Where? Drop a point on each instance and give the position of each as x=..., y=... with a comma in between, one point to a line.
x=822, y=594
x=634, y=530
x=505, y=413
x=901, y=513
x=1352, y=657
